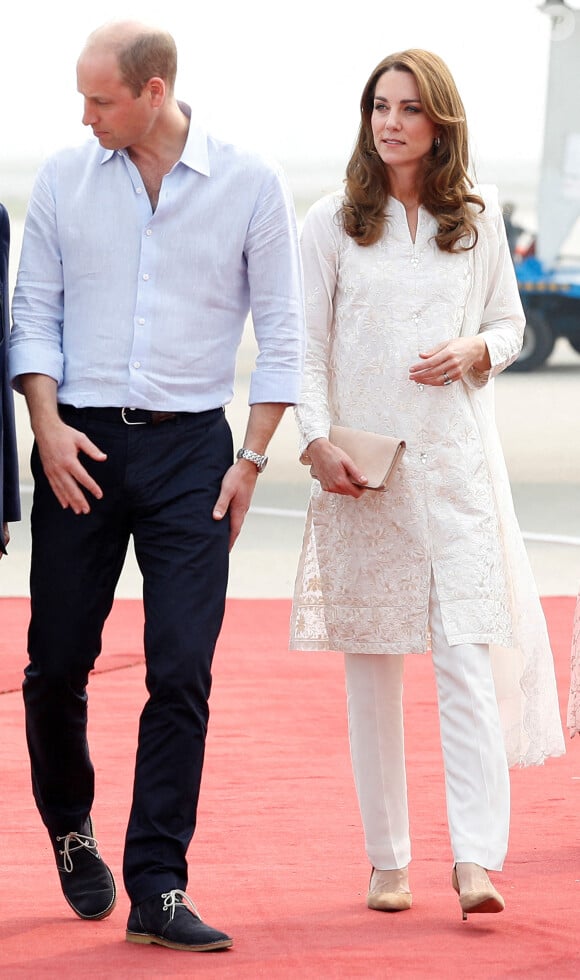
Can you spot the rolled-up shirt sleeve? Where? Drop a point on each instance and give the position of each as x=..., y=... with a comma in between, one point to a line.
x=276, y=298
x=38, y=303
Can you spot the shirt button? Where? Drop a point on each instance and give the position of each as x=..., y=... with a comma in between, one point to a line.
x=148, y=232
x=136, y=364
x=141, y=321
x=139, y=190
x=146, y=276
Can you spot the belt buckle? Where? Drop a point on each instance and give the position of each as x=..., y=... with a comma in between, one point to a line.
x=126, y=420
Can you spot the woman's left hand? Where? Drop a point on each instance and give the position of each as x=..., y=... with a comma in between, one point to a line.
x=451, y=361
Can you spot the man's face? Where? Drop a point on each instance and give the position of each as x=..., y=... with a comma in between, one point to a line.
x=118, y=118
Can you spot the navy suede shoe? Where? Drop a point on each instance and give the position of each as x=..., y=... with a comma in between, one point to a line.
x=172, y=920
x=86, y=881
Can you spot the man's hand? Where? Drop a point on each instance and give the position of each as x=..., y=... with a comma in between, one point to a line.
x=59, y=446
x=236, y=495
x=239, y=482
x=451, y=360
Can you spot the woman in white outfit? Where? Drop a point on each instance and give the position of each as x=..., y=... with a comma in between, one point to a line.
x=412, y=309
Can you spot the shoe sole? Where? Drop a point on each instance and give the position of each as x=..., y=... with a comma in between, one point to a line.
x=389, y=906
x=488, y=905
x=147, y=939
x=98, y=916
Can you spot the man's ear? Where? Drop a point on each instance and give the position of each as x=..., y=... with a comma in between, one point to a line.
x=156, y=88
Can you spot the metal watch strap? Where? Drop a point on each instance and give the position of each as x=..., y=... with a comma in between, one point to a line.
x=256, y=458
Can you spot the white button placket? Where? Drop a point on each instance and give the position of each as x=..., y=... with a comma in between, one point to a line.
x=416, y=318
x=414, y=261
x=140, y=350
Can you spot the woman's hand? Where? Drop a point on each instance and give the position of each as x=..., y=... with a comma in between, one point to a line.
x=335, y=469
x=451, y=361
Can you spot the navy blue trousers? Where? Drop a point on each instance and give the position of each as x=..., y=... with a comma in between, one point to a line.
x=160, y=484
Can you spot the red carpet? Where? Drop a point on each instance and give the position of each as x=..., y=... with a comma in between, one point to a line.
x=278, y=857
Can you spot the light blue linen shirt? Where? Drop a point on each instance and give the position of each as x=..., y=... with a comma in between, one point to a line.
x=126, y=306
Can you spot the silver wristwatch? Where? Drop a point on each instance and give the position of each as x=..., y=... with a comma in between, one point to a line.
x=260, y=461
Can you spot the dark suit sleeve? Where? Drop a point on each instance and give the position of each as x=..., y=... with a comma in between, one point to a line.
x=9, y=492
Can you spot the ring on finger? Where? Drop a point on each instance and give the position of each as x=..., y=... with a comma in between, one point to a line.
x=446, y=379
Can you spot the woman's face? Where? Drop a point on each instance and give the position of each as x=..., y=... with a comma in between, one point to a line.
x=403, y=133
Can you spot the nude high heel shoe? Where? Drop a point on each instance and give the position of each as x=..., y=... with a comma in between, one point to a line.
x=389, y=890
x=476, y=892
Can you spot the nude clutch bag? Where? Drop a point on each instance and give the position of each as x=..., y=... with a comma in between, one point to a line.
x=375, y=455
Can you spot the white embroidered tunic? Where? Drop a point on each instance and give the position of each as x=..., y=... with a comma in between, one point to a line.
x=366, y=565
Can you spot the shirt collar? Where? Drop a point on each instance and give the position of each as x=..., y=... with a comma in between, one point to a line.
x=195, y=152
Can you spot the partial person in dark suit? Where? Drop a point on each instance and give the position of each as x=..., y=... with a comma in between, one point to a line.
x=9, y=498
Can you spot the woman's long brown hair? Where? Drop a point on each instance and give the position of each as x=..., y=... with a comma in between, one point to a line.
x=445, y=187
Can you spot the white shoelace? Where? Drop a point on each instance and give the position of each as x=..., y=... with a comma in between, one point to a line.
x=176, y=897
x=76, y=842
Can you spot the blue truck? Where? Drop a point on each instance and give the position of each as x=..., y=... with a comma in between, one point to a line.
x=551, y=300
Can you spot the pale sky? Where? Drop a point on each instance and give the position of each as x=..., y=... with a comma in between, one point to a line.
x=285, y=78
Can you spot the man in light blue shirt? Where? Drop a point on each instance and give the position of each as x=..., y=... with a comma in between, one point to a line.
x=143, y=253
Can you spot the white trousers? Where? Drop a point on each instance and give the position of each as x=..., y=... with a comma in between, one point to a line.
x=476, y=771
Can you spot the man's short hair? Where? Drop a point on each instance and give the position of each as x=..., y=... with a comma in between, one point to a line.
x=152, y=54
